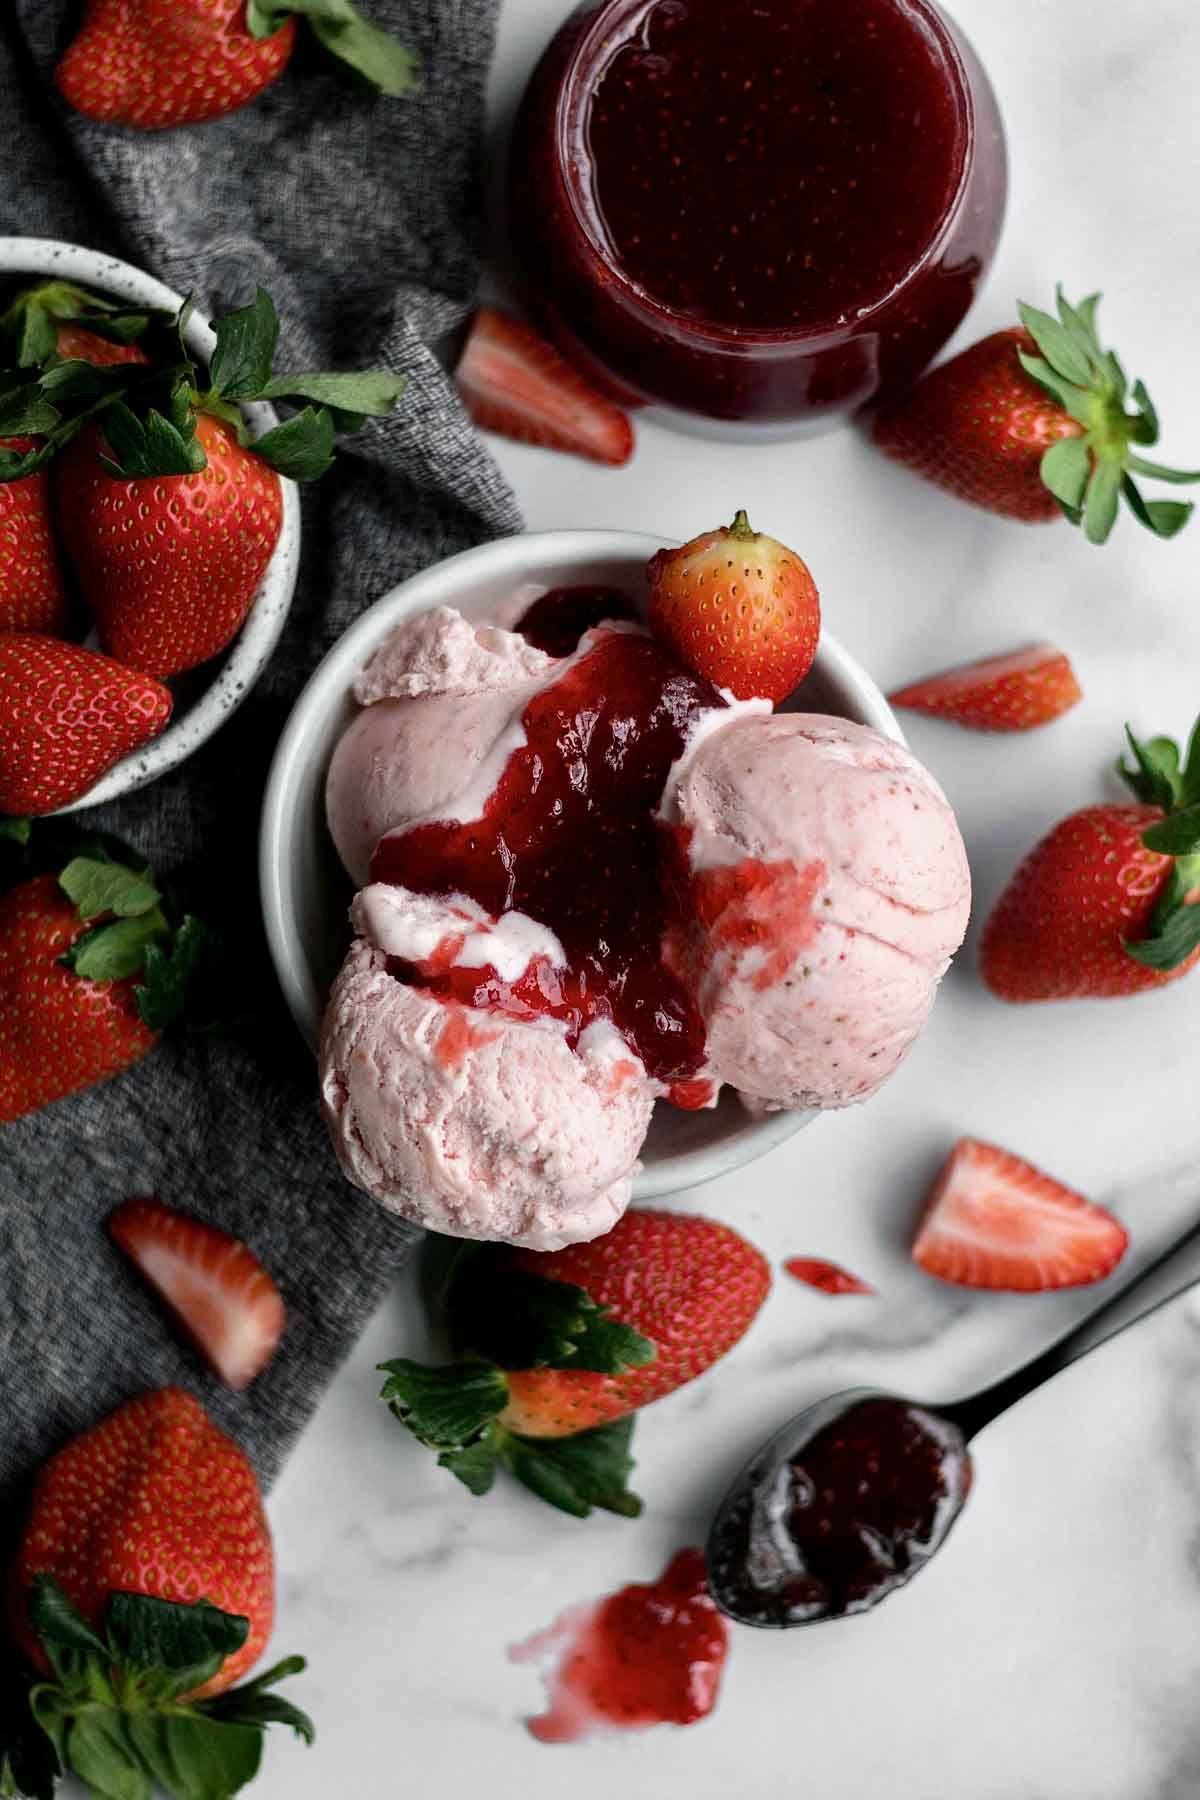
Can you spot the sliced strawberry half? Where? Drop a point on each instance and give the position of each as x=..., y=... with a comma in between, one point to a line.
x=1014, y=692
x=514, y=382
x=215, y=1286
x=994, y=1221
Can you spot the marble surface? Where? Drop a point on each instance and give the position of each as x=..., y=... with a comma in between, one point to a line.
x=1054, y=1649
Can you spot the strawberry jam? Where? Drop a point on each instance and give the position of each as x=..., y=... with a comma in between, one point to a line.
x=556, y=621
x=651, y=1654
x=757, y=213
x=569, y=838
x=835, y=1522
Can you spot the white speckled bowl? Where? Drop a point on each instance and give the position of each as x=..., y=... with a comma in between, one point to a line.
x=306, y=894
x=230, y=678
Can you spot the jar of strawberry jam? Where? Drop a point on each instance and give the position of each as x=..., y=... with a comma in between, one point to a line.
x=755, y=215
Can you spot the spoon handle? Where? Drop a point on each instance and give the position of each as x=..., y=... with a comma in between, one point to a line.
x=979, y=1409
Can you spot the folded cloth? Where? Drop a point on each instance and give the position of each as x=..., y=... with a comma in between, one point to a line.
x=360, y=216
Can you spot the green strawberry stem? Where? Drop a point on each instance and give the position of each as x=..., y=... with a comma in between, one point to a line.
x=133, y=936
x=1164, y=778
x=373, y=54
x=741, y=527
x=1090, y=473
x=115, y=1710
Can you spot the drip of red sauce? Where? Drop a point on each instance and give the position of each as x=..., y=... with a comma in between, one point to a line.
x=828, y=1277
x=557, y=620
x=651, y=1654
x=569, y=837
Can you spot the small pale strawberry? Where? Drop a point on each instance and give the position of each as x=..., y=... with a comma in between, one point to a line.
x=739, y=608
x=66, y=716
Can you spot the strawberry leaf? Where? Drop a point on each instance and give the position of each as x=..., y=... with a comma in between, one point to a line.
x=58, y=1623
x=171, y=973
x=154, y=445
x=189, y=1642
x=445, y=1408
x=578, y=1473
x=1165, y=518
x=25, y=411
x=246, y=341
x=475, y=1464
x=17, y=830
x=1058, y=346
x=372, y=393
x=301, y=448
x=1177, y=835
x=1173, y=943
x=1155, y=779
x=1147, y=416
x=251, y=1704
x=1074, y=400
x=1065, y=470
x=115, y=951
x=1101, y=501
x=1180, y=477
x=524, y=1321
x=372, y=53
x=108, y=887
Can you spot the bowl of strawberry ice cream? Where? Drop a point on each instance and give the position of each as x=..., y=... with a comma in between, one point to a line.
x=565, y=921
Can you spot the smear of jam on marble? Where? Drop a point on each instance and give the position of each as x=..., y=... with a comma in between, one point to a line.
x=826, y=1277
x=569, y=836
x=842, y=1519
x=651, y=1654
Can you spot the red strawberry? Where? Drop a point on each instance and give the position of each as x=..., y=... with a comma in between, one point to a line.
x=143, y=1587
x=1102, y=907
x=90, y=972
x=1013, y=692
x=66, y=716
x=994, y=1221
x=155, y=63
x=574, y=1342
x=739, y=608
x=169, y=564
x=1032, y=422
x=76, y=344
x=33, y=596
x=216, y=1287
x=513, y=382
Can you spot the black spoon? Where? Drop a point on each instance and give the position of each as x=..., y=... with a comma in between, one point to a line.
x=853, y=1496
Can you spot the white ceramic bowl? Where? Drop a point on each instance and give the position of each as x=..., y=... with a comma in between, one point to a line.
x=306, y=894
x=224, y=684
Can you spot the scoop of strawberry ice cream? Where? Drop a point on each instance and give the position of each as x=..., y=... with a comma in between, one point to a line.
x=823, y=888
x=466, y=1121
x=442, y=701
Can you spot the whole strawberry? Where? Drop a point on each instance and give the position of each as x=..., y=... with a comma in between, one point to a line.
x=66, y=716
x=1103, y=906
x=169, y=567
x=1030, y=423
x=157, y=63
x=568, y=1346
x=739, y=608
x=33, y=595
x=144, y=1588
x=91, y=971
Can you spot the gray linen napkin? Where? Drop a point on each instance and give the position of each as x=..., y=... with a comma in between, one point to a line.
x=360, y=216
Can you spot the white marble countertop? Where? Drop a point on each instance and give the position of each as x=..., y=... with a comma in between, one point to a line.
x=1054, y=1650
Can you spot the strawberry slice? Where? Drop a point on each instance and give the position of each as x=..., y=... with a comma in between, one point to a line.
x=1013, y=692
x=514, y=382
x=218, y=1290
x=826, y=1277
x=994, y=1221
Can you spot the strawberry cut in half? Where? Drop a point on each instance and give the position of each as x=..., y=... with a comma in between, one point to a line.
x=994, y=1221
x=513, y=382
x=1016, y=691
x=215, y=1286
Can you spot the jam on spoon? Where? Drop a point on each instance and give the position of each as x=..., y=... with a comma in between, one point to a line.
x=852, y=1497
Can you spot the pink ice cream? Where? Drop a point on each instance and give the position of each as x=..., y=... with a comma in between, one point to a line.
x=442, y=701
x=827, y=888
x=466, y=1122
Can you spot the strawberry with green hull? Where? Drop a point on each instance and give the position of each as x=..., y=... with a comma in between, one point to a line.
x=58, y=319
x=737, y=607
x=994, y=1221
x=1035, y=422
x=92, y=971
x=1017, y=691
x=152, y=64
x=66, y=716
x=1104, y=906
x=143, y=1590
x=568, y=1345
x=223, y=1299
